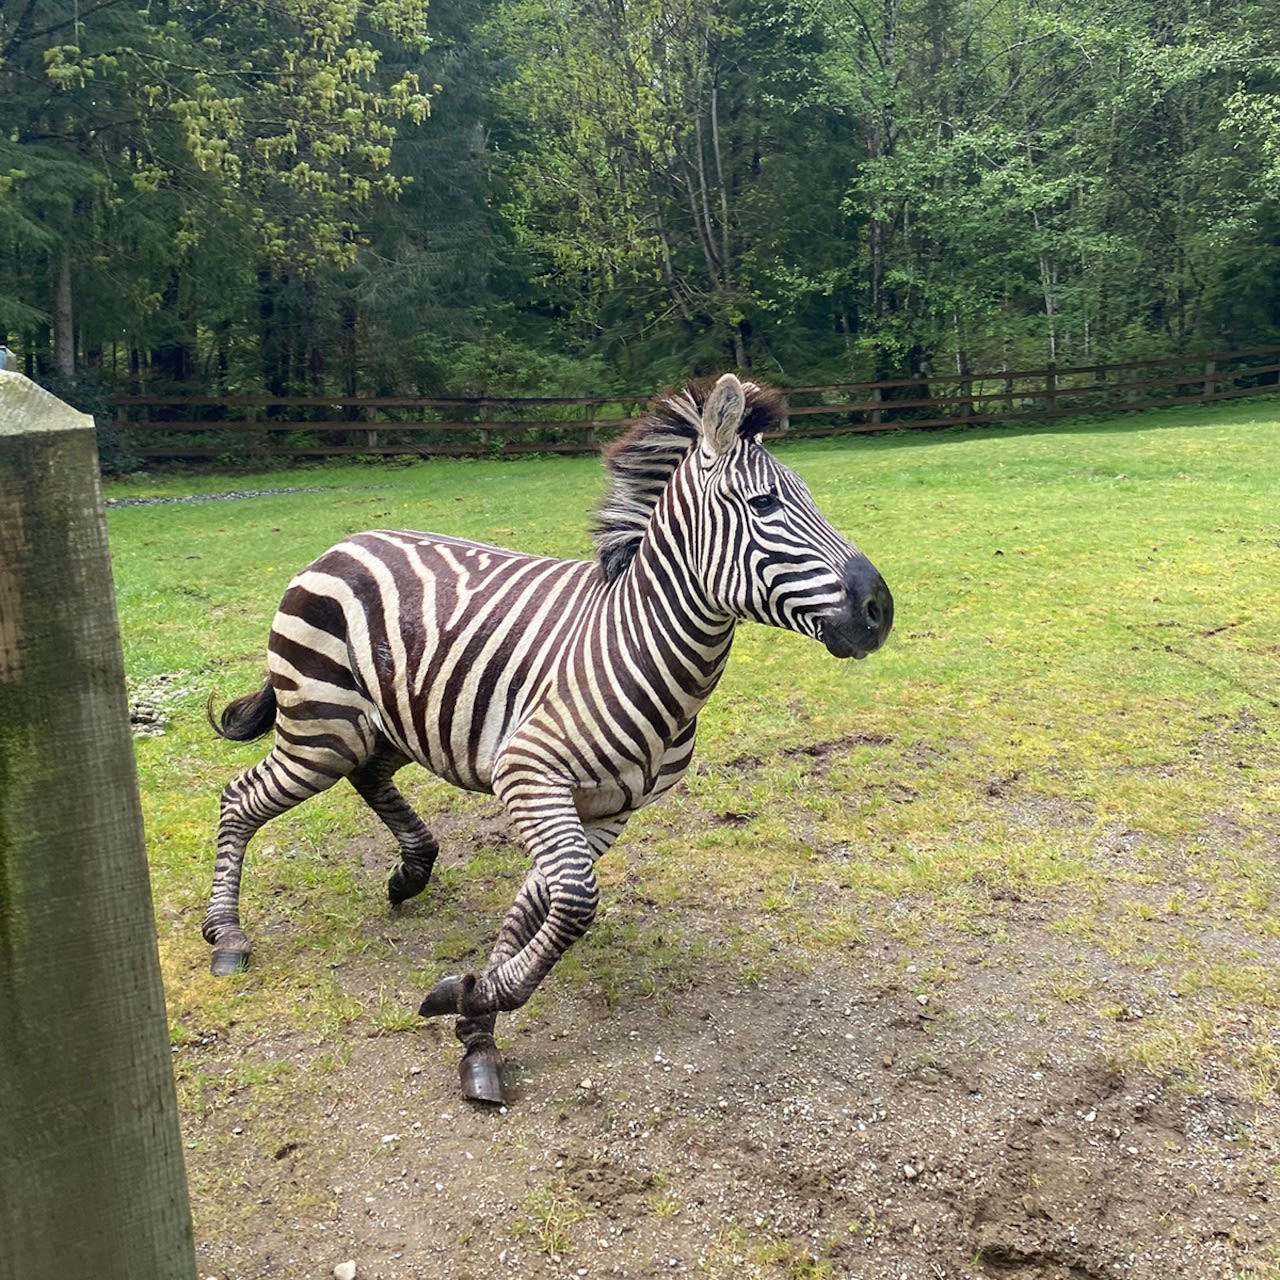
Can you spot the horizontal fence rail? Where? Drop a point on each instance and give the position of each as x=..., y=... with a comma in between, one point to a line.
x=248, y=428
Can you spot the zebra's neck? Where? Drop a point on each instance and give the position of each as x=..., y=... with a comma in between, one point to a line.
x=660, y=618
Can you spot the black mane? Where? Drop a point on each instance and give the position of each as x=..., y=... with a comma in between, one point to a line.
x=641, y=462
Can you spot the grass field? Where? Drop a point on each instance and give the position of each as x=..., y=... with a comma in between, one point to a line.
x=1079, y=708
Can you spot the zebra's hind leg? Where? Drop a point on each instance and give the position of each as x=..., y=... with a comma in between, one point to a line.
x=418, y=847
x=273, y=786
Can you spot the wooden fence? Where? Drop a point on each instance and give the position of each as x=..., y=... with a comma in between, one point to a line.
x=239, y=428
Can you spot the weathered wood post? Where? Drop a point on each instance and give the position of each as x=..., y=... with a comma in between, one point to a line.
x=91, y=1173
x=1051, y=390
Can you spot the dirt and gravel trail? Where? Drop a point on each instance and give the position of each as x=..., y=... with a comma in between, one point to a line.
x=843, y=1124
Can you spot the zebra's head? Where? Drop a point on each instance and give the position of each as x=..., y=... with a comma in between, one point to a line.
x=764, y=551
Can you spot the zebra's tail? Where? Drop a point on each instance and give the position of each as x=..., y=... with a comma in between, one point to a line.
x=246, y=718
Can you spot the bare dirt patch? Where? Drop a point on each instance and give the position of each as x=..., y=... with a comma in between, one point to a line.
x=849, y=1123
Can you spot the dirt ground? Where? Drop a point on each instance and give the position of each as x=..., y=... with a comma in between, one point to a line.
x=844, y=1124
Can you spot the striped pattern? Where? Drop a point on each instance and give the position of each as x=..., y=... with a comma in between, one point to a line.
x=569, y=689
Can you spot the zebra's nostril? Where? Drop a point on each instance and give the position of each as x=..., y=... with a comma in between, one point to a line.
x=873, y=612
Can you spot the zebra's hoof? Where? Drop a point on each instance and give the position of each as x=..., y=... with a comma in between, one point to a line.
x=226, y=961
x=442, y=998
x=481, y=1074
x=401, y=886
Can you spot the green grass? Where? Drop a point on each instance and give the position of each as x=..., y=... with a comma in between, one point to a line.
x=1078, y=707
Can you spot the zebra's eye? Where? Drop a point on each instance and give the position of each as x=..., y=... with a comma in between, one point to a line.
x=764, y=504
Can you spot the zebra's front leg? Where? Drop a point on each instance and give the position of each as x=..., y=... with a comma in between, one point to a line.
x=571, y=898
x=481, y=1067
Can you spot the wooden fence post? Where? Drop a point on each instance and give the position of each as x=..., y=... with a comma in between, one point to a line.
x=91, y=1172
x=1210, y=368
x=1051, y=390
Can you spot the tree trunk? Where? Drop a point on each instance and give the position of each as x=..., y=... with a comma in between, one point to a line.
x=881, y=140
x=273, y=346
x=91, y=1171
x=64, y=334
x=1048, y=284
x=348, y=318
x=174, y=362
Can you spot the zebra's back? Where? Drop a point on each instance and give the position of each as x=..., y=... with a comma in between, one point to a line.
x=436, y=643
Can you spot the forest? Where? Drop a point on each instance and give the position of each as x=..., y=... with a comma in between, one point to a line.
x=370, y=197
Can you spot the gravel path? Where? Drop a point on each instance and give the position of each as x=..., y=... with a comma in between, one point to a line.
x=230, y=496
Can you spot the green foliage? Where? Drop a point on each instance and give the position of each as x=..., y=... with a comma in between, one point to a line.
x=508, y=367
x=649, y=175
x=290, y=111
x=1041, y=183
x=880, y=189
x=156, y=152
x=240, y=199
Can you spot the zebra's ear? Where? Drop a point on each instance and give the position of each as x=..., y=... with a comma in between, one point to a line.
x=722, y=415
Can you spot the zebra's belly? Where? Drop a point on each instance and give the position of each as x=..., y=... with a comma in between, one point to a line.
x=458, y=735
x=602, y=801
x=633, y=789
x=471, y=770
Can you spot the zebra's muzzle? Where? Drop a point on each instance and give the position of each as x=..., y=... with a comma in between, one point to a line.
x=862, y=624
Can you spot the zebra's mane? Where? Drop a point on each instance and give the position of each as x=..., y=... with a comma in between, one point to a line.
x=640, y=463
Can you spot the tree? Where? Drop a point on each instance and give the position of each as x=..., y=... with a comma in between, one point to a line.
x=640, y=172
x=1036, y=181
x=269, y=130
x=817, y=188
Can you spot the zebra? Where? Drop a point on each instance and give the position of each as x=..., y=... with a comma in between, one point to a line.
x=569, y=689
